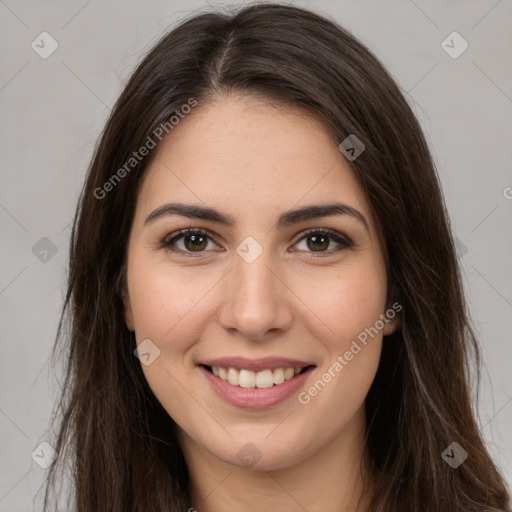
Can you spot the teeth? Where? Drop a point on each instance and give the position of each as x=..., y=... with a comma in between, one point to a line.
x=264, y=379
x=250, y=379
x=233, y=376
x=289, y=373
x=278, y=374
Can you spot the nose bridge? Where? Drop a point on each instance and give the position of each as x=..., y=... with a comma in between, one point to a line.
x=254, y=280
x=256, y=301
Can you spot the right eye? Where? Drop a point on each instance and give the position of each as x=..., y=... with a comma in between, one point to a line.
x=192, y=240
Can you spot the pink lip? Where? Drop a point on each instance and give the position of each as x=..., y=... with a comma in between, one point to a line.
x=256, y=365
x=254, y=398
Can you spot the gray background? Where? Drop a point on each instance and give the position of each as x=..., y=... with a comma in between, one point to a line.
x=53, y=110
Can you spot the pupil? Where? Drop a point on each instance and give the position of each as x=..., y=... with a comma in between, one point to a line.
x=323, y=244
x=195, y=239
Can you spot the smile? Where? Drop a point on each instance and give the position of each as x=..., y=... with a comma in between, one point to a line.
x=251, y=389
x=250, y=379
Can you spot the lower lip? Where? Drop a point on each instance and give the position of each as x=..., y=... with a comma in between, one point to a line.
x=255, y=398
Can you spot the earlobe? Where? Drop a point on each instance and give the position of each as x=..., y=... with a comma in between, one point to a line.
x=391, y=325
x=393, y=315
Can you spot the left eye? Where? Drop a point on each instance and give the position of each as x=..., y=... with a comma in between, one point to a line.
x=318, y=241
x=196, y=240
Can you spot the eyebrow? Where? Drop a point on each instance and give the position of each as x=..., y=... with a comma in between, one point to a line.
x=285, y=219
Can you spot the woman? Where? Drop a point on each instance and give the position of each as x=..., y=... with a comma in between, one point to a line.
x=217, y=363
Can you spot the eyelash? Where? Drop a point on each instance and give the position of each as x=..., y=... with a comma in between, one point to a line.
x=169, y=241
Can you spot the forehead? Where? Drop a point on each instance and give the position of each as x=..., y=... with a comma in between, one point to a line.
x=251, y=158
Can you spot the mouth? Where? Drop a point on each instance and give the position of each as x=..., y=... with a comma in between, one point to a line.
x=263, y=379
x=259, y=388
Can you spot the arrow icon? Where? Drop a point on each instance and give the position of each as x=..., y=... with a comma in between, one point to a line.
x=44, y=45
x=43, y=455
x=249, y=455
x=44, y=250
x=454, y=45
x=351, y=147
x=147, y=352
x=249, y=252
x=454, y=455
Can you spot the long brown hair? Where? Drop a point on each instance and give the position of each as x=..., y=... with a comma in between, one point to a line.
x=121, y=442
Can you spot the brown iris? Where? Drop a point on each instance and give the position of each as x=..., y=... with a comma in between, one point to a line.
x=318, y=242
x=198, y=242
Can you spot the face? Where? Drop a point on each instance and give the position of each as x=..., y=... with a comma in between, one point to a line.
x=253, y=287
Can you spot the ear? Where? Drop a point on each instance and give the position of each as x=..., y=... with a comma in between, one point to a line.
x=122, y=290
x=128, y=314
x=390, y=326
x=394, y=318
x=393, y=308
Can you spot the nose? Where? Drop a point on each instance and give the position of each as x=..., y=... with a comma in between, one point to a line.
x=256, y=300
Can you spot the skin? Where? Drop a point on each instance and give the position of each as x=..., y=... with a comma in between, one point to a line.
x=249, y=159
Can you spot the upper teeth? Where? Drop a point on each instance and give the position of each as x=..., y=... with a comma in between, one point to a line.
x=250, y=379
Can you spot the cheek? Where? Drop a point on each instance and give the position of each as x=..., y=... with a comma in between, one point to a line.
x=344, y=323
x=168, y=309
x=343, y=304
x=164, y=298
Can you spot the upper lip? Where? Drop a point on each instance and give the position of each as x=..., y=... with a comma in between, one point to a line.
x=256, y=365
